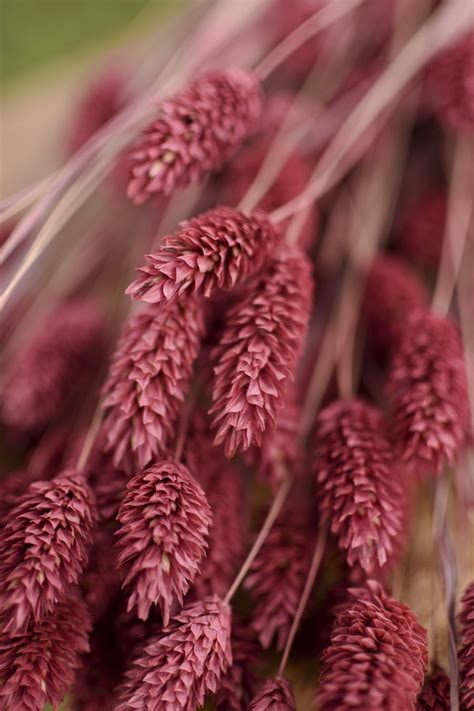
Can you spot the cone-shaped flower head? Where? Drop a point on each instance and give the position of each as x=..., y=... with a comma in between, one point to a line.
x=194, y=133
x=52, y=368
x=377, y=655
x=428, y=392
x=392, y=291
x=357, y=486
x=177, y=668
x=44, y=548
x=214, y=250
x=277, y=577
x=149, y=377
x=275, y=695
x=38, y=666
x=259, y=349
x=435, y=694
x=164, y=524
x=466, y=653
x=451, y=82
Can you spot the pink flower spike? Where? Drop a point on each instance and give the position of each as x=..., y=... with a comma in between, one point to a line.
x=435, y=694
x=148, y=381
x=377, y=656
x=44, y=548
x=258, y=351
x=466, y=653
x=194, y=132
x=215, y=250
x=177, y=668
x=358, y=491
x=38, y=666
x=51, y=370
x=164, y=525
x=428, y=391
x=276, y=695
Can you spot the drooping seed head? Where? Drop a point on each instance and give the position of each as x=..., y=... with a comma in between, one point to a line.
x=275, y=695
x=164, y=525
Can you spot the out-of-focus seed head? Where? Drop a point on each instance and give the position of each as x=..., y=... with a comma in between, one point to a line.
x=428, y=391
x=194, y=132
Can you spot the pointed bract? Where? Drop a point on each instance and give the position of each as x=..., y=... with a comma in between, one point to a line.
x=435, y=694
x=466, y=653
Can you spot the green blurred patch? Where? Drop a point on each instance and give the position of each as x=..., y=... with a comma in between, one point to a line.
x=36, y=32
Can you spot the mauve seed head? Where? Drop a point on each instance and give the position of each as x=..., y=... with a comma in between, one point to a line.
x=377, y=655
x=177, y=668
x=421, y=232
x=277, y=577
x=450, y=79
x=44, y=548
x=275, y=695
x=164, y=526
x=357, y=487
x=194, y=132
x=53, y=368
x=37, y=667
x=148, y=381
x=392, y=291
x=466, y=653
x=258, y=350
x=435, y=694
x=428, y=391
x=237, y=685
x=215, y=250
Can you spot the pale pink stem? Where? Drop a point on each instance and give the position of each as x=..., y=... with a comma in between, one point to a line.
x=89, y=439
x=270, y=519
x=447, y=24
x=313, y=571
x=460, y=213
x=322, y=18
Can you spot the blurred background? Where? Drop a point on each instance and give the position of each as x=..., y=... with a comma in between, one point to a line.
x=49, y=50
